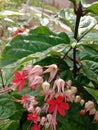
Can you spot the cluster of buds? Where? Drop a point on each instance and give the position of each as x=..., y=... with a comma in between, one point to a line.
x=90, y=108
x=55, y=92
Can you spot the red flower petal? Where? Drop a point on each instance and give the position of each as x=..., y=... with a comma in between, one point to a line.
x=61, y=111
x=52, y=108
x=17, y=74
x=36, y=127
x=21, y=86
x=64, y=105
x=59, y=99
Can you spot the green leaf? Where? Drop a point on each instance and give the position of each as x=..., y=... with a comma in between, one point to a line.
x=93, y=8
x=84, y=3
x=73, y=120
x=9, y=125
x=90, y=70
x=34, y=46
x=91, y=37
x=67, y=15
x=86, y=23
x=93, y=92
x=7, y=107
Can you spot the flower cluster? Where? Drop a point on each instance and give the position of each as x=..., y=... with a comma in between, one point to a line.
x=55, y=91
x=53, y=97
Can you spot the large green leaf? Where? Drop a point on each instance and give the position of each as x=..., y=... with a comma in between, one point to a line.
x=7, y=107
x=34, y=45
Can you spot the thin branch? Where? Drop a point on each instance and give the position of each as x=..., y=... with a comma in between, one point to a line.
x=86, y=32
x=3, y=86
x=78, y=13
x=64, y=56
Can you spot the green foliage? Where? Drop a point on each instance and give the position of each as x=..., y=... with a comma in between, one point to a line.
x=43, y=46
x=7, y=107
x=35, y=45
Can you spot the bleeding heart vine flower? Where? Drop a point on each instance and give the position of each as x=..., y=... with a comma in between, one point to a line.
x=19, y=80
x=54, y=95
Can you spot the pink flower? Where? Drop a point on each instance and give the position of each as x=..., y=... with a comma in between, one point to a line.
x=89, y=105
x=59, y=104
x=19, y=80
x=36, y=127
x=69, y=95
x=50, y=94
x=43, y=120
x=33, y=117
x=60, y=83
x=36, y=70
x=92, y=111
x=52, y=69
x=28, y=103
x=27, y=69
x=35, y=82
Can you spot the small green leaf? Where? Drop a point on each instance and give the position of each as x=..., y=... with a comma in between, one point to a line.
x=68, y=17
x=93, y=8
x=86, y=23
x=93, y=92
x=90, y=70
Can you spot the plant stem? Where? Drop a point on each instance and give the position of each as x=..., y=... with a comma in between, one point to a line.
x=78, y=17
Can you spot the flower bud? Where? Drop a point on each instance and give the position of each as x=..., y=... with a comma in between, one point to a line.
x=49, y=118
x=45, y=86
x=74, y=89
x=43, y=120
x=38, y=110
x=82, y=102
x=69, y=83
x=92, y=111
x=77, y=99
x=82, y=112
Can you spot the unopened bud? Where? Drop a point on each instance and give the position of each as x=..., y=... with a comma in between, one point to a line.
x=38, y=110
x=82, y=112
x=69, y=83
x=43, y=120
x=82, y=102
x=74, y=89
x=92, y=111
x=77, y=99
x=45, y=86
x=49, y=118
